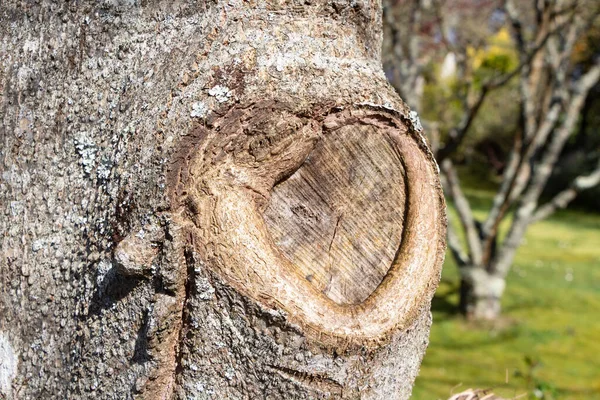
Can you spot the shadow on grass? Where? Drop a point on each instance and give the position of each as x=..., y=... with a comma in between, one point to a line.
x=444, y=302
x=493, y=333
x=443, y=306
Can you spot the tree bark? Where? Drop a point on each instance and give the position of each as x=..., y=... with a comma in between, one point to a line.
x=210, y=200
x=480, y=293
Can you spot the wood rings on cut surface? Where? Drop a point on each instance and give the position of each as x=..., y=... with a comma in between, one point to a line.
x=336, y=219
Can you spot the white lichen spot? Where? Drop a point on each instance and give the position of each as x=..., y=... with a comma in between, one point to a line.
x=103, y=170
x=205, y=289
x=230, y=373
x=104, y=267
x=23, y=75
x=387, y=105
x=280, y=64
x=8, y=366
x=38, y=244
x=16, y=207
x=30, y=46
x=416, y=121
x=220, y=92
x=87, y=149
x=199, y=110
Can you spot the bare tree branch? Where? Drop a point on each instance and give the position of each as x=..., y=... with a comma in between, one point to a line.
x=518, y=172
x=407, y=68
x=543, y=169
x=463, y=208
x=457, y=134
x=415, y=27
x=515, y=21
x=455, y=246
x=500, y=203
x=562, y=199
x=441, y=22
x=471, y=109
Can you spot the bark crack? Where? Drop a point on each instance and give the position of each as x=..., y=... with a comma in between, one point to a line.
x=188, y=285
x=337, y=224
x=315, y=380
x=329, y=270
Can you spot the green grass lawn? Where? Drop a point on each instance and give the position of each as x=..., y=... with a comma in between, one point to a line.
x=551, y=318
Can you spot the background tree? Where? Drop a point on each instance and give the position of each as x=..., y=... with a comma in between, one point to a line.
x=210, y=200
x=539, y=77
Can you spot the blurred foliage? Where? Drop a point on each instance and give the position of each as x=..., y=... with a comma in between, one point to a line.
x=588, y=48
x=498, y=57
x=538, y=388
x=490, y=137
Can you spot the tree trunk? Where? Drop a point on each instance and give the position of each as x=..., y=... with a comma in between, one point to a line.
x=480, y=293
x=210, y=200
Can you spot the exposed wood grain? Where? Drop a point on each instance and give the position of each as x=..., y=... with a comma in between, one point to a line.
x=339, y=217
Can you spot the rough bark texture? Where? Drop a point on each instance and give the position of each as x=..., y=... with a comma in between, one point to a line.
x=480, y=293
x=163, y=167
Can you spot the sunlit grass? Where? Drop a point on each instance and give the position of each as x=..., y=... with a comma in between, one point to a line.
x=551, y=316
